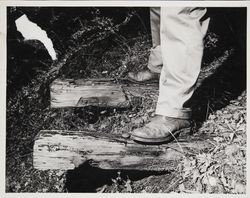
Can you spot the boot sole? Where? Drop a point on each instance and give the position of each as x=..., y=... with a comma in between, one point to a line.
x=162, y=139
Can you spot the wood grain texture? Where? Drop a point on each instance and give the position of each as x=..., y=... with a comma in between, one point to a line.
x=54, y=149
x=96, y=92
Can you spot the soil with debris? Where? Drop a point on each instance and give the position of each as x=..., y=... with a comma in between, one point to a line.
x=97, y=44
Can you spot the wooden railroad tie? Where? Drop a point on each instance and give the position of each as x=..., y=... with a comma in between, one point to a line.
x=97, y=92
x=55, y=149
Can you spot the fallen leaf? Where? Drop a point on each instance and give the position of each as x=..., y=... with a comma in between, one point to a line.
x=113, y=180
x=212, y=180
x=128, y=187
x=242, y=127
x=182, y=187
x=226, y=116
x=240, y=188
x=53, y=115
x=103, y=112
x=196, y=175
x=199, y=186
x=103, y=126
x=233, y=183
x=231, y=136
x=91, y=127
x=60, y=173
x=218, y=139
x=137, y=121
x=18, y=186
x=131, y=115
x=231, y=149
x=102, y=189
x=236, y=116
x=211, y=117
x=44, y=190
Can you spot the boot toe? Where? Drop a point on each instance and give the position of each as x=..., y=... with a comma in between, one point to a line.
x=143, y=76
x=139, y=133
x=161, y=129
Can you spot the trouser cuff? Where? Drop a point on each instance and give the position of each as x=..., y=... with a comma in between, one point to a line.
x=155, y=60
x=184, y=113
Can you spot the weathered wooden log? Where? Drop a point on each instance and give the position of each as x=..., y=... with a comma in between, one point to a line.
x=96, y=92
x=54, y=149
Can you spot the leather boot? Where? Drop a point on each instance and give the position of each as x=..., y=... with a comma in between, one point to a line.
x=143, y=76
x=161, y=129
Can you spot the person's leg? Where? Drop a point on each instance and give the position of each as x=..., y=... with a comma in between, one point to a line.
x=155, y=60
x=155, y=13
x=182, y=33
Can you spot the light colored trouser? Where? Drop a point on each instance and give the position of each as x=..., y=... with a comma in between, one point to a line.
x=177, y=35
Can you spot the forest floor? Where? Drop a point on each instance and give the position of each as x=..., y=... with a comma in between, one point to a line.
x=219, y=108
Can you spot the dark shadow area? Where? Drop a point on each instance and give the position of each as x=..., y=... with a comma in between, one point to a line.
x=223, y=86
x=88, y=179
x=230, y=25
x=229, y=80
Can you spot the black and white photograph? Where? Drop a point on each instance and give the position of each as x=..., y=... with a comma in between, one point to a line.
x=125, y=98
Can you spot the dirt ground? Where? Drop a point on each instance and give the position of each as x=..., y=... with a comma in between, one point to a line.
x=219, y=111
